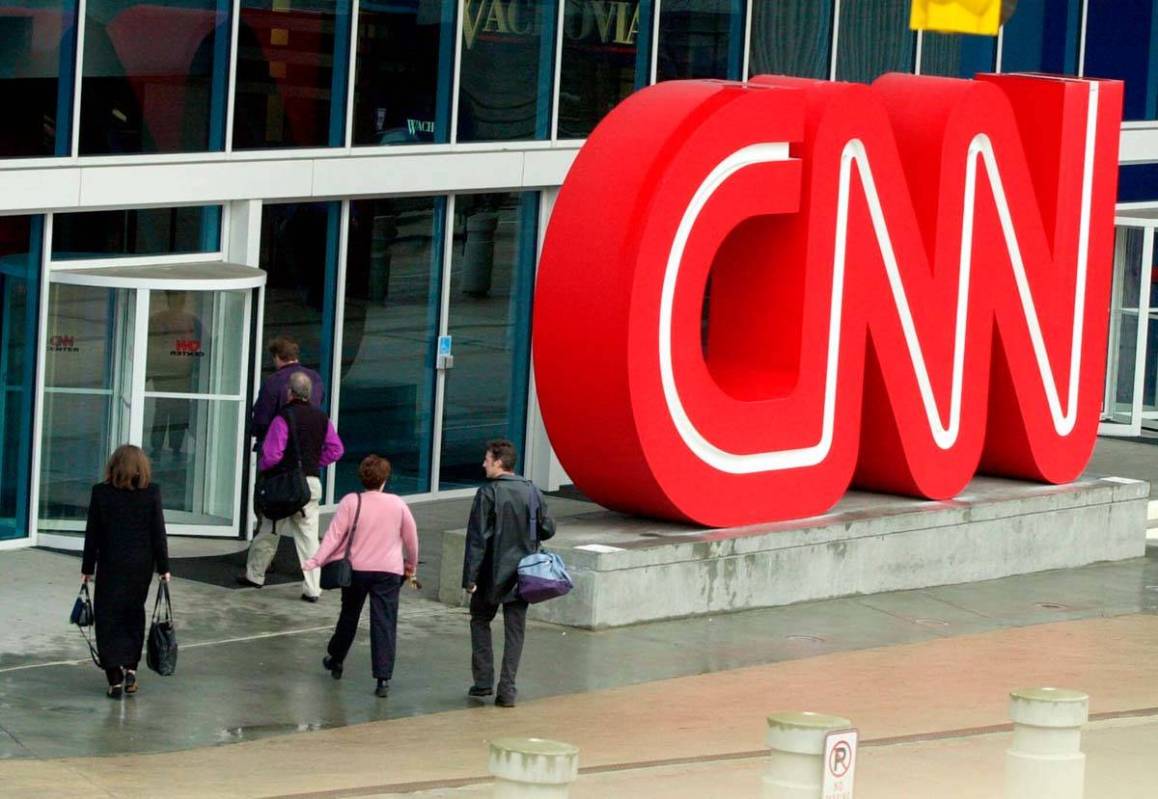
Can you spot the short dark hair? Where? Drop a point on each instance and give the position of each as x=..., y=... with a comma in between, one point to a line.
x=504, y=452
x=373, y=471
x=285, y=348
x=128, y=467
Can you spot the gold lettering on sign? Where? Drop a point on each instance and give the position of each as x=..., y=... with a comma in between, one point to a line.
x=614, y=21
x=495, y=16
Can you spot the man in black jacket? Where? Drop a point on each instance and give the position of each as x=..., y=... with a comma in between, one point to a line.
x=498, y=535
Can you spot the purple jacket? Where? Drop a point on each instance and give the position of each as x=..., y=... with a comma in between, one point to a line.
x=273, y=448
x=274, y=396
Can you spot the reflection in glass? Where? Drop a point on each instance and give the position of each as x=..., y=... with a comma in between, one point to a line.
x=507, y=70
x=193, y=338
x=791, y=37
x=402, y=76
x=1042, y=36
x=20, y=240
x=299, y=252
x=292, y=58
x=954, y=55
x=492, y=276
x=700, y=39
x=606, y=56
x=37, y=45
x=155, y=76
x=139, y=231
x=874, y=39
x=389, y=330
x=1121, y=43
x=87, y=366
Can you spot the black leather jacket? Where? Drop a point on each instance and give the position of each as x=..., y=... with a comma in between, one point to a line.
x=498, y=536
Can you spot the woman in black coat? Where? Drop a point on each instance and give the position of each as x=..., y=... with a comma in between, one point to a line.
x=124, y=543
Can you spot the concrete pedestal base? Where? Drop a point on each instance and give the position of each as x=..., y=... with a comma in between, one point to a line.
x=630, y=570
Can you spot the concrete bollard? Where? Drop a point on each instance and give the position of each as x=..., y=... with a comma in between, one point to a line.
x=1045, y=760
x=533, y=768
x=796, y=765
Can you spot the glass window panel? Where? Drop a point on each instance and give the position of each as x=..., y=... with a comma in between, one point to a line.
x=20, y=240
x=1042, y=36
x=291, y=74
x=193, y=342
x=194, y=449
x=955, y=55
x=37, y=47
x=492, y=277
x=873, y=38
x=402, y=77
x=700, y=39
x=154, y=76
x=508, y=62
x=389, y=334
x=138, y=231
x=1127, y=357
x=606, y=56
x=791, y=37
x=1122, y=42
x=299, y=251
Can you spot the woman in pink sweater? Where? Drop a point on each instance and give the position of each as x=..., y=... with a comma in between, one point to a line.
x=383, y=554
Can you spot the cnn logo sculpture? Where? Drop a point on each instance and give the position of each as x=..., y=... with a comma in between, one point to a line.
x=904, y=284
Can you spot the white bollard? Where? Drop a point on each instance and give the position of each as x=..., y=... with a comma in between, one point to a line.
x=796, y=764
x=1045, y=760
x=533, y=768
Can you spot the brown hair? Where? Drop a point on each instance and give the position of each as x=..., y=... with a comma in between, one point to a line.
x=128, y=467
x=504, y=452
x=374, y=471
x=285, y=348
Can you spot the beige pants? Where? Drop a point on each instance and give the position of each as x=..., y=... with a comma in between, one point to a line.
x=305, y=532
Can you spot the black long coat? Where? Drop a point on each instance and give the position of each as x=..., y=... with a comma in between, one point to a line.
x=498, y=536
x=124, y=540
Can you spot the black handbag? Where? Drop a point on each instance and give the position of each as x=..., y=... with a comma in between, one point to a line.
x=339, y=573
x=161, y=647
x=83, y=617
x=283, y=491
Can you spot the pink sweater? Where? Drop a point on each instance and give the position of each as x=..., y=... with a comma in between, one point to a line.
x=385, y=526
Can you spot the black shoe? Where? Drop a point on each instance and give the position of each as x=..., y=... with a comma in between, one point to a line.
x=308, y=598
x=115, y=691
x=382, y=689
x=476, y=691
x=503, y=701
x=130, y=682
x=335, y=669
x=245, y=581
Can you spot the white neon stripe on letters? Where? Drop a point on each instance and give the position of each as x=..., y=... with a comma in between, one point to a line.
x=944, y=435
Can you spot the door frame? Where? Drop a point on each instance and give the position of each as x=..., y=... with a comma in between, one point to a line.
x=1132, y=428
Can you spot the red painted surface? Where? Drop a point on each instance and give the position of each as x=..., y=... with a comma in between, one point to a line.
x=754, y=393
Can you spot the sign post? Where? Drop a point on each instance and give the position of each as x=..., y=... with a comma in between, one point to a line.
x=839, y=764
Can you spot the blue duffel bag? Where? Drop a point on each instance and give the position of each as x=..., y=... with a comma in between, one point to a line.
x=543, y=576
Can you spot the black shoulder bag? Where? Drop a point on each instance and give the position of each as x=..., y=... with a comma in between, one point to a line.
x=339, y=573
x=283, y=491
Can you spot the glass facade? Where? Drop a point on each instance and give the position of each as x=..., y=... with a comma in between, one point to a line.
x=957, y=55
x=606, y=56
x=20, y=244
x=404, y=66
x=291, y=73
x=508, y=70
x=142, y=231
x=874, y=38
x=792, y=37
x=492, y=277
x=1043, y=36
x=700, y=39
x=37, y=48
x=1122, y=42
x=155, y=76
x=391, y=316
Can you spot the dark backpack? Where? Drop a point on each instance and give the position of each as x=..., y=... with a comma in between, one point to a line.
x=282, y=491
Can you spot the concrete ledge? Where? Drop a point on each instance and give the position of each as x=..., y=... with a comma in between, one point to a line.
x=630, y=570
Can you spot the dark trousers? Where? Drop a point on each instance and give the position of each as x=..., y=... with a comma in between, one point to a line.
x=116, y=675
x=482, y=660
x=382, y=588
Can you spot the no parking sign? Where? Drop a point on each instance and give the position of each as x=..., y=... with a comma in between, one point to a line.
x=839, y=764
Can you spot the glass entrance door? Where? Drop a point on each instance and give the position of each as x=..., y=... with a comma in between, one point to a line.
x=1130, y=403
x=161, y=368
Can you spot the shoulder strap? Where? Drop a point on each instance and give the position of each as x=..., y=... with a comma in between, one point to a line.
x=92, y=652
x=291, y=433
x=534, y=503
x=353, y=527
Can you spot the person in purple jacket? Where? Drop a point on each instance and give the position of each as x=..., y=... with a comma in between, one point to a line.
x=320, y=446
x=274, y=393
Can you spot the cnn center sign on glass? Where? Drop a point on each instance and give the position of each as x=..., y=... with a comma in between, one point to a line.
x=752, y=296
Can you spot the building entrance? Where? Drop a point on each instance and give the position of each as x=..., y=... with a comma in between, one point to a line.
x=152, y=356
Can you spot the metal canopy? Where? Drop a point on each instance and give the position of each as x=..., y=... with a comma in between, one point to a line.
x=208, y=276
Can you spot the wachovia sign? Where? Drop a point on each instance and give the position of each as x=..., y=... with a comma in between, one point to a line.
x=752, y=296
